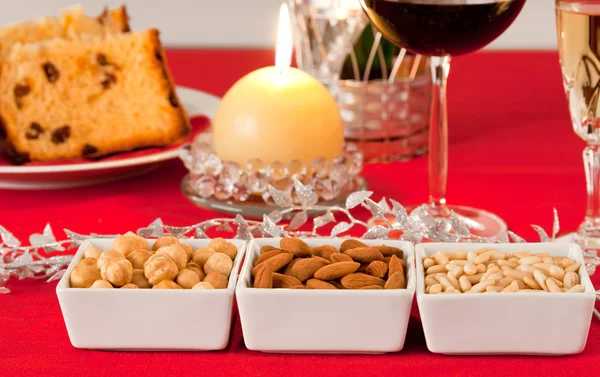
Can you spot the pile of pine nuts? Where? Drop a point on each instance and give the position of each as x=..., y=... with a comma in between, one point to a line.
x=487, y=270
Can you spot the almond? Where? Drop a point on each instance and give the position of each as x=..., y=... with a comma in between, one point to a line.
x=388, y=251
x=267, y=255
x=264, y=278
x=295, y=246
x=274, y=263
x=360, y=280
x=336, y=284
x=319, y=284
x=396, y=281
x=351, y=244
x=336, y=270
x=372, y=287
x=395, y=265
x=288, y=268
x=377, y=268
x=364, y=254
x=305, y=269
x=363, y=267
x=326, y=261
x=301, y=286
x=339, y=257
x=324, y=251
x=265, y=248
x=284, y=281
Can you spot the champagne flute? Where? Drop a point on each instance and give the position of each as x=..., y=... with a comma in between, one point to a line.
x=442, y=29
x=578, y=27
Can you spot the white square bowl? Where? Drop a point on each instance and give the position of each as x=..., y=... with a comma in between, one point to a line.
x=324, y=321
x=531, y=323
x=148, y=319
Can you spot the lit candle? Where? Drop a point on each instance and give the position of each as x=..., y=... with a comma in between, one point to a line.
x=278, y=113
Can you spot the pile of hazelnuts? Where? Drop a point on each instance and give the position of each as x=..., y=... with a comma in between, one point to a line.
x=169, y=264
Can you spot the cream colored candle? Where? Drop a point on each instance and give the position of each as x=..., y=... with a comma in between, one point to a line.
x=278, y=114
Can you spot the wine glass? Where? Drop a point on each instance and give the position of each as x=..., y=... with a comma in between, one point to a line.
x=578, y=26
x=442, y=29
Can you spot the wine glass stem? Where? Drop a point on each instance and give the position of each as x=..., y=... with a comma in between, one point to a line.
x=438, y=137
x=591, y=158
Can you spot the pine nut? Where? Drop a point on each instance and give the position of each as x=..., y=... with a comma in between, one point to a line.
x=521, y=284
x=497, y=276
x=453, y=280
x=542, y=255
x=441, y=258
x=470, y=269
x=540, y=278
x=492, y=265
x=522, y=254
x=506, y=263
x=578, y=288
x=457, y=272
x=483, y=258
x=450, y=290
x=493, y=288
x=482, y=250
x=427, y=289
x=435, y=289
x=480, y=287
x=459, y=255
x=481, y=268
x=436, y=269
x=530, y=260
x=465, y=284
x=497, y=255
x=512, y=287
x=471, y=256
x=569, y=280
x=544, y=267
x=428, y=262
x=445, y=283
x=574, y=267
x=516, y=274
x=459, y=262
x=552, y=287
x=567, y=262
x=548, y=260
x=474, y=279
x=505, y=282
x=529, y=268
x=558, y=282
x=429, y=281
x=531, y=283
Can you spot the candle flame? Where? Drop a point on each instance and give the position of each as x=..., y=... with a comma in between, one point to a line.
x=283, y=52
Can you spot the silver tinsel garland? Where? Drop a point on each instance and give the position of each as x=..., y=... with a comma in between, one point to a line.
x=27, y=262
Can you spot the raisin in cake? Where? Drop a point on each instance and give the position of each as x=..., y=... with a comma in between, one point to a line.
x=88, y=97
x=73, y=22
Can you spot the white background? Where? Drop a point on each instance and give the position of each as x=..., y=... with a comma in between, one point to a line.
x=234, y=23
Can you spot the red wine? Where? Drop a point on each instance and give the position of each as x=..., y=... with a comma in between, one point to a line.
x=442, y=27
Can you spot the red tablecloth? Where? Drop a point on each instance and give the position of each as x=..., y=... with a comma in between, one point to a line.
x=512, y=151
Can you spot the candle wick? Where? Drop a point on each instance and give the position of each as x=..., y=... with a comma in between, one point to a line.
x=281, y=73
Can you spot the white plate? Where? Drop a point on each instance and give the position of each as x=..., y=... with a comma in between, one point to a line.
x=148, y=319
x=324, y=321
x=74, y=175
x=522, y=323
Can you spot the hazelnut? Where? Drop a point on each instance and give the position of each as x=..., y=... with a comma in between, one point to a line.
x=187, y=279
x=138, y=258
x=84, y=277
x=139, y=279
x=164, y=241
x=88, y=262
x=92, y=252
x=118, y=272
x=130, y=286
x=219, y=262
x=101, y=284
x=221, y=246
x=217, y=279
x=167, y=284
x=176, y=253
x=127, y=244
x=194, y=267
x=203, y=285
x=188, y=250
x=159, y=268
x=143, y=241
x=200, y=256
x=108, y=256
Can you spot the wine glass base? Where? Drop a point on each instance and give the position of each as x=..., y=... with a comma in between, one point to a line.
x=481, y=223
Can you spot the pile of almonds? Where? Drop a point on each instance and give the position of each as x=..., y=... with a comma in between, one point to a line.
x=487, y=270
x=169, y=264
x=354, y=266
